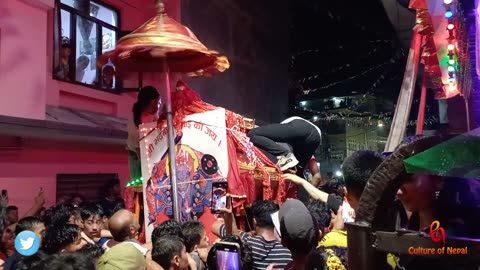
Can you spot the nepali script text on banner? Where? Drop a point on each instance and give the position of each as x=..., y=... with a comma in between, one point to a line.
x=202, y=157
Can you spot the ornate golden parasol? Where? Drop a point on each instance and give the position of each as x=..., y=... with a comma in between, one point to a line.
x=164, y=45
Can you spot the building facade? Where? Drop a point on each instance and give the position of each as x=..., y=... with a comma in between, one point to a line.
x=62, y=117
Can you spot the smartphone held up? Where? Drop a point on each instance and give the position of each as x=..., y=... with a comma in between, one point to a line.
x=228, y=256
x=219, y=196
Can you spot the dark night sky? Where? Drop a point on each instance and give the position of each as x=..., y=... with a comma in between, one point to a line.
x=358, y=50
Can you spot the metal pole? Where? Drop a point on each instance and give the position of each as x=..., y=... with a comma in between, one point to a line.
x=404, y=103
x=361, y=254
x=366, y=140
x=171, y=147
x=421, y=107
x=467, y=109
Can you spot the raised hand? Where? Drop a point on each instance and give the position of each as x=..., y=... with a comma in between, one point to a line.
x=293, y=178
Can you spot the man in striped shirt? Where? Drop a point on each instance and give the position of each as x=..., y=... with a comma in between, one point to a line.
x=265, y=245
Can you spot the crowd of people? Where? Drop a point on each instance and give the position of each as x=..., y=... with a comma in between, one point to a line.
x=102, y=235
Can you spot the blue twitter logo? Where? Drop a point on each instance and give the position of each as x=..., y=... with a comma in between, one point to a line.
x=27, y=243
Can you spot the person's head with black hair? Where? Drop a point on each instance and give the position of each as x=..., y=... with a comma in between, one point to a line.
x=82, y=62
x=334, y=187
x=59, y=215
x=66, y=50
x=33, y=224
x=246, y=255
x=261, y=211
x=12, y=214
x=316, y=260
x=170, y=253
x=147, y=102
x=111, y=188
x=321, y=214
x=60, y=238
x=108, y=213
x=33, y=262
x=168, y=227
x=357, y=169
x=92, y=220
x=77, y=199
x=195, y=235
x=92, y=251
x=68, y=261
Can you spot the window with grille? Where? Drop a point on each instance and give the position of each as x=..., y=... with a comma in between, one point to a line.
x=83, y=31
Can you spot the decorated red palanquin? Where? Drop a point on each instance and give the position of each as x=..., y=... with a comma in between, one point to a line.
x=251, y=175
x=247, y=163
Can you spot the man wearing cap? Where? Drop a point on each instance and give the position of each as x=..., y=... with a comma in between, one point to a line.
x=123, y=256
x=299, y=232
x=123, y=227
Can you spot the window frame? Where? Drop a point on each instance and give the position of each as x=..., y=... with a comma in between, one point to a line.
x=99, y=25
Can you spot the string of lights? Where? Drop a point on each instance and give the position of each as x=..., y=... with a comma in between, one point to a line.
x=392, y=60
x=331, y=70
x=310, y=51
x=452, y=65
x=360, y=118
x=309, y=91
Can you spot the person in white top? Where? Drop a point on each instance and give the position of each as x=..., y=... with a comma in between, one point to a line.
x=143, y=111
x=302, y=135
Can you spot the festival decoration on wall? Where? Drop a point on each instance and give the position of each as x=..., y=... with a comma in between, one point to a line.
x=201, y=158
x=359, y=118
x=437, y=54
x=452, y=63
x=135, y=182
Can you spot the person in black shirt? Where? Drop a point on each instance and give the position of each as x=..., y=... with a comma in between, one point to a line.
x=111, y=199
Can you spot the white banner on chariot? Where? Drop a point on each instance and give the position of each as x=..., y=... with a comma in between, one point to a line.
x=202, y=157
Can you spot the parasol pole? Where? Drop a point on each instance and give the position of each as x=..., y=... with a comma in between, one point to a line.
x=171, y=145
x=172, y=157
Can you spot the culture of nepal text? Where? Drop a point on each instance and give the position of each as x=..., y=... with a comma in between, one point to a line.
x=437, y=251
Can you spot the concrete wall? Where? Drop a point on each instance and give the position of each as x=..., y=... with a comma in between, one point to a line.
x=26, y=55
x=26, y=87
x=23, y=170
x=254, y=36
x=23, y=45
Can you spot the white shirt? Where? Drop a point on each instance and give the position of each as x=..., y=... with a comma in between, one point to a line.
x=288, y=120
x=133, y=140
